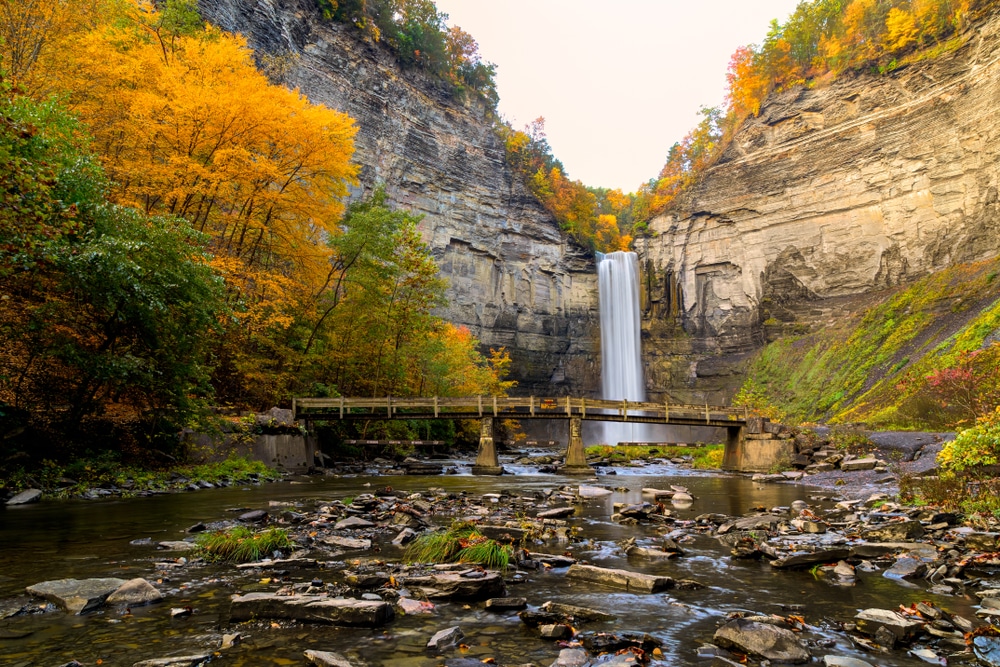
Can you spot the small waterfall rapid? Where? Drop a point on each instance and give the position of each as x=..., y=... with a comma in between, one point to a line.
x=621, y=354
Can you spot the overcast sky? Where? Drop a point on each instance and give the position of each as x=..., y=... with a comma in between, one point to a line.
x=617, y=82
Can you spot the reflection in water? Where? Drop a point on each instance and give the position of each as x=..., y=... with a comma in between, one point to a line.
x=87, y=539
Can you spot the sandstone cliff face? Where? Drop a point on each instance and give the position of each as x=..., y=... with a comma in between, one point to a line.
x=854, y=185
x=515, y=280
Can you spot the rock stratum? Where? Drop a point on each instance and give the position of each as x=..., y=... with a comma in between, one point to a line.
x=514, y=279
x=854, y=185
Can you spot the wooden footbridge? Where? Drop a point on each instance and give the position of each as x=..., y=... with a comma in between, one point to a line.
x=489, y=408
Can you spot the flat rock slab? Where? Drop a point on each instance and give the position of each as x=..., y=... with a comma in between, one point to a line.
x=346, y=542
x=311, y=609
x=326, y=659
x=455, y=586
x=577, y=613
x=446, y=639
x=571, y=657
x=761, y=639
x=843, y=661
x=630, y=581
x=506, y=604
x=981, y=541
x=135, y=592
x=807, y=559
x=867, y=463
x=177, y=545
x=279, y=562
x=896, y=531
x=871, y=620
x=557, y=513
x=906, y=568
x=552, y=559
x=176, y=661
x=26, y=497
x=351, y=523
x=593, y=491
x=76, y=595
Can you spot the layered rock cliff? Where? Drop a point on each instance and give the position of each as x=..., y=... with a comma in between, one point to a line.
x=514, y=279
x=856, y=184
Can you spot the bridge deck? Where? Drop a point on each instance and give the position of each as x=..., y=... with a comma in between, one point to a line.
x=528, y=407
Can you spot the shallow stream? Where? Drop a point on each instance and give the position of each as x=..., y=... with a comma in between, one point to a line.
x=78, y=539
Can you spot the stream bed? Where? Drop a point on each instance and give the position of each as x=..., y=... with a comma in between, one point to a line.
x=82, y=539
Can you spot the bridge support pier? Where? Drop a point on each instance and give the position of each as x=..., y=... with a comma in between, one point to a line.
x=576, y=458
x=732, y=455
x=487, y=461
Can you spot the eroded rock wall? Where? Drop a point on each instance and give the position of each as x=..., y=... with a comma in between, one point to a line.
x=857, y=184
x=515, y=280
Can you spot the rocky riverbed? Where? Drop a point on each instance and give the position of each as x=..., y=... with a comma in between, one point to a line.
x=605, y=572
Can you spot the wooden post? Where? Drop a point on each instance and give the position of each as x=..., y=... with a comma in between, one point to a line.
x=583, y=406
x=666, y=412
x=746, y=412
x=625, y=410
x=531, y=405
x=480, y=399
x=341, y=407
x=295, y=412
x=494, y=405
x=388, y=406
x=708, y=419
x=435, y=407
x=569, y=409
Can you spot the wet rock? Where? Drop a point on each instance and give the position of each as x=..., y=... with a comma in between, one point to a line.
x=877, y=549
x=809, y=558
x=592, y=491
x=446, y=639
x=506, y=604
x=906, y=567
x=352, y=523
x=346, y=542
x=608, y=642
x=177, y=661
x=231, y=640
x=867, y=463
x=808, y=526
x=26, y=497
x=555, y=631
x=255, y=516
x=571, y=657
x=630, y=581
x=870, y=621
x=177, y=545
x=557, y=513
x=311, y=609
x=843, y=661
x=366, y=580
x=450, y=586
x=199, y=527
x=269, y=563
x=411, y=607
x=569, y=611
x=326, y=659
x=928, y=656
x=552, y=560
x=844, y=572
x=135, y=592
x=77, y=596
x=981, y=541
x=896, y=531
x=762, y=640
x=748, y=523
x=987, y=648
x=405, y=536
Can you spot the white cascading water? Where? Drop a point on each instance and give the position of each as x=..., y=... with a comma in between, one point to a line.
x=621, y=354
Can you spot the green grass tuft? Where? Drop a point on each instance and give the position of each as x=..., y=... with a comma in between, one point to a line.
x=241, y=544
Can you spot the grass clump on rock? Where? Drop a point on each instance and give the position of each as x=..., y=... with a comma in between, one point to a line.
x=241, y=544
x=459, y=544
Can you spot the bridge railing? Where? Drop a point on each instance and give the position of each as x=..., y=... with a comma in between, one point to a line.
x=519, y=406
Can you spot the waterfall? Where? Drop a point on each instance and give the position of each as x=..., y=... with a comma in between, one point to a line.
x=621, y=354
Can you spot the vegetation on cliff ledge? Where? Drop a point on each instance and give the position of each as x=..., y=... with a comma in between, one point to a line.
x=925, y=357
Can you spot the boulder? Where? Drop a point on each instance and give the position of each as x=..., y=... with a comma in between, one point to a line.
x=135, y=592
x=26, y=497
x=987, y=649
x=411, y=607
x=894, y=531
x=571, y=657
x=326, y=659
x=177, y=661
x=762, y=640
x=555, y=631
x=906, y=567
x=253, y=516
x=867, y=463
x=506, y=604
x=446, y=639
x=630, y=581
x=455, y=586
x=871, y=620
x=311, y=609
x=76, y=595
x=405, y=536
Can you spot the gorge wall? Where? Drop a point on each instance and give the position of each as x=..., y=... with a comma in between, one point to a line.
x=856, y=184
x=514, y=279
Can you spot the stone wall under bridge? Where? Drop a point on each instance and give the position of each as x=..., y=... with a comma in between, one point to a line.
x=759, y=447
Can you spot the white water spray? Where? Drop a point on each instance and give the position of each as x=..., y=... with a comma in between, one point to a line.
x=621, y=354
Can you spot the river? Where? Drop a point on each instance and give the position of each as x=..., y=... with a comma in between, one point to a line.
x=81, y=539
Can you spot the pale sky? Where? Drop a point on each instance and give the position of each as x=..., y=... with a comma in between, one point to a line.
x=617, y=82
